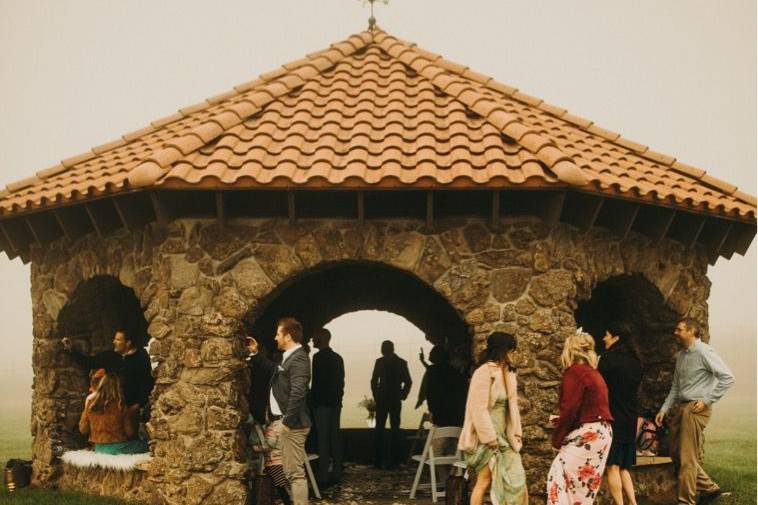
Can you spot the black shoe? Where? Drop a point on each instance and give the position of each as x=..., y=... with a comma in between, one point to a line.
x=709, y=496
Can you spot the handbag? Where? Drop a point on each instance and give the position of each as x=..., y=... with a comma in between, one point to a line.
x=456, y=490
x=18, y=474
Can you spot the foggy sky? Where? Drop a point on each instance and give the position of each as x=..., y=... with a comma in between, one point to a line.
x=679, y=76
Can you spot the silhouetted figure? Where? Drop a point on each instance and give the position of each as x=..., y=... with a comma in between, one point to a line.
x=327, y=389
x=445, y=390
x=390, y=385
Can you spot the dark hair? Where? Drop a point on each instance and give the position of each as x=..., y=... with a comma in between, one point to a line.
x=292, y=327
x=439, y=355
x=322, y=334
x=499, y=344
x=692, y=325
x=626, y=334
x=127, y=334
x=388, y=347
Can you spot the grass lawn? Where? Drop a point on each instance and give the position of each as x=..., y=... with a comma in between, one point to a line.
x=730, y=460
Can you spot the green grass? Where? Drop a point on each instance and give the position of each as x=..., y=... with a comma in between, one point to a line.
x=30, y=496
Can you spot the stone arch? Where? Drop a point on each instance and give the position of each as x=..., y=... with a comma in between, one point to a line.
x=634, y=299
x=94, y=309
x=319, y=294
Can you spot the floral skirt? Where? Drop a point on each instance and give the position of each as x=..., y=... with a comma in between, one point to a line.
x=577, y=470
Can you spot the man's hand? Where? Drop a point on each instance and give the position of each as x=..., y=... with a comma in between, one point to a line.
x=698, y=407
x=493, y=444
x=67, y=345
x=659, y=418
x=252, y=345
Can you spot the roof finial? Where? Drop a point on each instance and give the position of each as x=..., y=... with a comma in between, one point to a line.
x=372, y=19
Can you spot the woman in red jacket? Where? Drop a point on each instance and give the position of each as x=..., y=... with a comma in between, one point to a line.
x=583, y=432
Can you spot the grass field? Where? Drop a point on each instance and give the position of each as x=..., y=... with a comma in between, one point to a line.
x=730, y=458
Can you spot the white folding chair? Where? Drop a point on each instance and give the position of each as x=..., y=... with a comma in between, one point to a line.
x=311, y=477
x=419, y=436
x=429, y=459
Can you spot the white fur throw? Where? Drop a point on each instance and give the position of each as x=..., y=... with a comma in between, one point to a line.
x=92, y=459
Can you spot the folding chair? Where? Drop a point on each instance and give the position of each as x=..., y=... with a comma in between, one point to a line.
x=420, y=435
x=429, y=459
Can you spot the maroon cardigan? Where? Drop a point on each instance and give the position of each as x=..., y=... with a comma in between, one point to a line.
x=584, y=399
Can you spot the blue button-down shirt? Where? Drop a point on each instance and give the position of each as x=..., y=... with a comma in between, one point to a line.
x=700, y=374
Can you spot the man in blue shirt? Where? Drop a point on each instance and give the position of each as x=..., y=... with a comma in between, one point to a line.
x=700, y=379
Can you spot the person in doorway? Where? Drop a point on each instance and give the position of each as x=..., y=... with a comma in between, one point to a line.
x=445, y=390
x=287, y=400
x=700, y=379
x=327, y=389
x=621, y=368
x=583, y=432
x=129, y=362
x=390, y=385
x=107, y=420
x=491, y=435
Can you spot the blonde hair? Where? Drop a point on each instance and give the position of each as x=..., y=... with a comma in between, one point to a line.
x=108, y=392
x=579, y=348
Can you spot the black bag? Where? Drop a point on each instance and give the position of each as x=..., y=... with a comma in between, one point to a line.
x=263, y=490
x=456, y=490
x=18, y=474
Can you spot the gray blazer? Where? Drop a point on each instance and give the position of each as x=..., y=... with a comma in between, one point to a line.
x=289, y=383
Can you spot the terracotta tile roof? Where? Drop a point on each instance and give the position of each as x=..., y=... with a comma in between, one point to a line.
x=374, y=111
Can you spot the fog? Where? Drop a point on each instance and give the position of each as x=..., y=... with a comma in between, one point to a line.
x=678, y=75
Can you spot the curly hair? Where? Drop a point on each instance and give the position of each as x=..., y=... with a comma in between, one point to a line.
x=579, y=348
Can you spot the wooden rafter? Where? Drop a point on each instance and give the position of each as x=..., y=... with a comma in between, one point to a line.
x=220, y=212
x=662, y=226
x=495, y=210
x=591, y=214
x=122, y=214
x=291, y=208
x=554, y=207
x=161, y=216
x=361, y=201
x=429, y=209
x=99, y=230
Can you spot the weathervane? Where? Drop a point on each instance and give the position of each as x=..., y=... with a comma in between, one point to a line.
x=372, y=19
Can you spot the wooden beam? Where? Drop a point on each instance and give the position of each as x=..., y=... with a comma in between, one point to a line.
x=695, y=234
x=160, y=211
x=98, y=229
x=745, y=237
x=554, y=208
x=220, y=214
x=495, y=210
x=14, y=247
x=361, y=208
x=661, y=228
x=67, y=232
x=34, y=233
x=429, y=209
x=591, y=215
x=715, y=244
x=291, y=209
x=121, y=211
x=627, y=221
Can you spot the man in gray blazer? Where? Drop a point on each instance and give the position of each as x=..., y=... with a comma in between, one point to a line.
x=287, y=400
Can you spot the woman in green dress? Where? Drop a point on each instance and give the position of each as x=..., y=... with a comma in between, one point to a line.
x=491, y=435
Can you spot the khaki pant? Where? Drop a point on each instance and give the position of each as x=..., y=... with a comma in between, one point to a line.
x=686, y=446
x=293, y=460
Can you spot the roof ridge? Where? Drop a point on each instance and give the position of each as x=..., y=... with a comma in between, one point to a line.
x=503, y=120
x=278, y=82
x=433, y=67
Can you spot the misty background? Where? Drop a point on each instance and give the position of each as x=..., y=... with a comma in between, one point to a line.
x=679, y=76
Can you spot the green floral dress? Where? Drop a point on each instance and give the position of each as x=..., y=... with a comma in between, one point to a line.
x=508, y=476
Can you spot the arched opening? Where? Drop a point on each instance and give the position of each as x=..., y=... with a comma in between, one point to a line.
x=634, y=299
x=323, y=294
x=95, y=310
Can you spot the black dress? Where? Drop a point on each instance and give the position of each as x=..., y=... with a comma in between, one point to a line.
x=622, y=372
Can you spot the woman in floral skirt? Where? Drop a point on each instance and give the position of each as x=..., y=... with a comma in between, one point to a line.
x=583, y=431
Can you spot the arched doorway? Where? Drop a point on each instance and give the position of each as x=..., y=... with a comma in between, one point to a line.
x=634, y=299
x=95, y=309
x=320, y=295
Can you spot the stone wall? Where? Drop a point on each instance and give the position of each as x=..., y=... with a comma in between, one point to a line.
x=197, y=281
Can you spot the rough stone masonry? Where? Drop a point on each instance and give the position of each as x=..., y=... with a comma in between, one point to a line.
x=196, y=281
